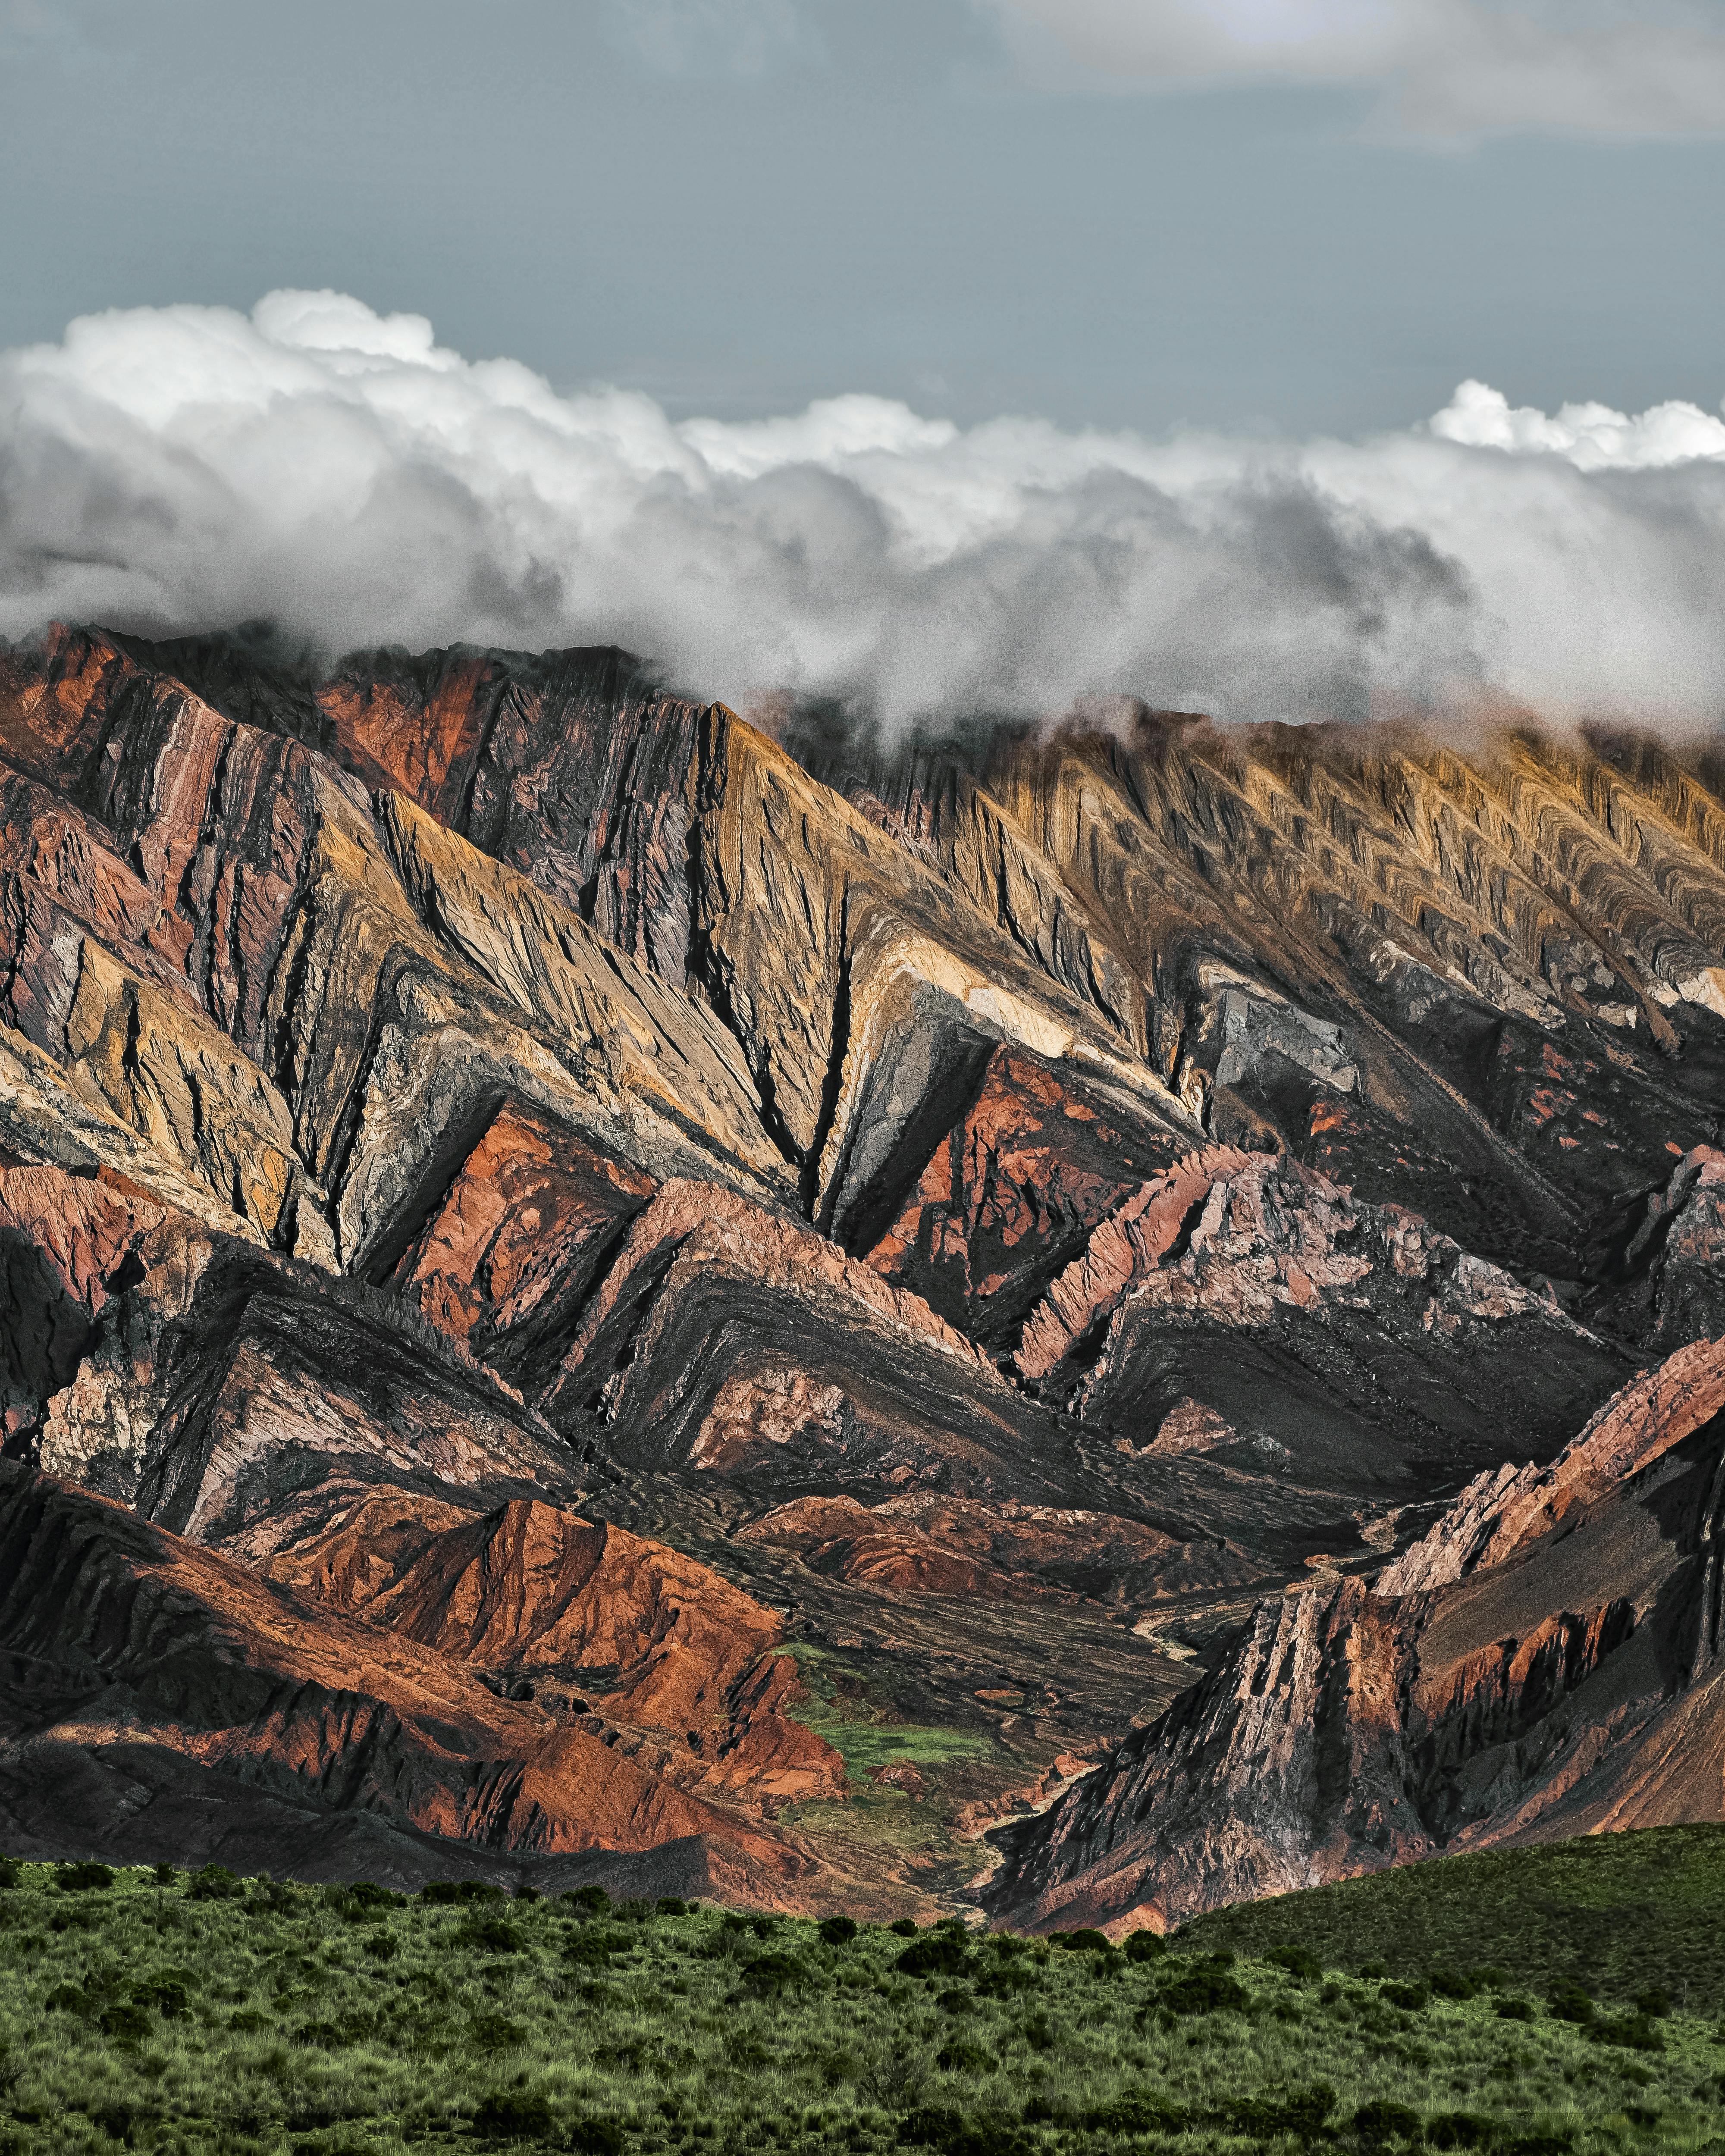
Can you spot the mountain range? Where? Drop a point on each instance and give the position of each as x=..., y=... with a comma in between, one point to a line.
x=1100, y=1320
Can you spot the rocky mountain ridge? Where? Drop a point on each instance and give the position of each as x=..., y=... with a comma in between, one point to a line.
x=773, y=1258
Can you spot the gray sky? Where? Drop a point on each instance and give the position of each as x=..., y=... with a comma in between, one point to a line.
x=1294, y=214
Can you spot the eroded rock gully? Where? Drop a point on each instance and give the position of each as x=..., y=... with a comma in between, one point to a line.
x=558, y=1255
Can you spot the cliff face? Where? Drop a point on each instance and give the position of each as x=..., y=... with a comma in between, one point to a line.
x=711, y=1230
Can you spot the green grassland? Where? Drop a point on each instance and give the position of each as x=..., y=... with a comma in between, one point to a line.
x=866, y=1734
x=205, y=2014
x=1614, y=1911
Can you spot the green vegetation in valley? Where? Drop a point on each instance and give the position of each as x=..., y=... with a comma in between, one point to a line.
x=1614, y=1911
x=210, y=2016
x=864, y=1732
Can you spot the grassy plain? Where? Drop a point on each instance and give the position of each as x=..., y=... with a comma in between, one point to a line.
x=206, y=2017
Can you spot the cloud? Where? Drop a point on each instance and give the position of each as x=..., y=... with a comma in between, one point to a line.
x=1442, y=69
x=341, y=473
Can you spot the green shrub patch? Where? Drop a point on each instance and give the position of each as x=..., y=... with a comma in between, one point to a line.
x=193, y=2015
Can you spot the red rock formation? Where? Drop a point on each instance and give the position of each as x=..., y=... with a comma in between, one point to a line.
x=155, y=1643
x=525, y=1223
x=932, y=1545
x=652, y=1639
x=1036, y=1162
x=1501, y=1511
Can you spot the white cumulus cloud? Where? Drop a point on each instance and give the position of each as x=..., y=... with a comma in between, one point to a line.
x=339, y=472
x=1443, y=68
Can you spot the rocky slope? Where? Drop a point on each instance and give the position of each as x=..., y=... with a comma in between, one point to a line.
x=1545, y=1660
x=768, y=1258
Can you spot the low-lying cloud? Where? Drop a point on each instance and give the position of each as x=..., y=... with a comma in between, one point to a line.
x=336, y=471
x=1442, y=69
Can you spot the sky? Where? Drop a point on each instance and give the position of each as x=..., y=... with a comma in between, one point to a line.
x=1291, y=215
x=1278, y=358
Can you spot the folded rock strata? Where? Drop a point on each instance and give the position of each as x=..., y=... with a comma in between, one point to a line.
x=475, y=1121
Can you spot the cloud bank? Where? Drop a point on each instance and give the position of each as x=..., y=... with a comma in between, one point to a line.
x=338, y=472
x=1444, y=70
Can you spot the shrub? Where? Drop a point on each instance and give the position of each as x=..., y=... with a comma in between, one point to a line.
x=1383, y=2119
x=1135, y=2112
x=639, y=1910
x=904, y=1927
x=952, y=2132
x=1460, y=2129
x=672, y=1905
x=1084, y=1942
x=594, y=1944
x=1208, y=1989
x=446, y=1893
x=165, y=1875
x=367, y=1894
x=83, y=1878
x=960, y=2055
x=594, y=1900
x=124, y=2024
x=1450, y=1984
x=247, y=2021
x=936, y=1954
x=1145, y=1945
x=1301, y=2113
x=513, y=2115
x=956, y=2001
x=1409, y=1997
x=10, y=1873
x=1299, y=1962
x=769, y=1974
x=598, y=2137
x=839, y=1931
x=1570, y=2002
x=1515, y=2009
x=1635, y=2032
x=168, y=1996
x=213, y=1882
x=495, y=2032
x=1653, y=2000
x=1372, y=1969
x=527, y=1894
x=492, y=1935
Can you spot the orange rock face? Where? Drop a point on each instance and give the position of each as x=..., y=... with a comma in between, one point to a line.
x=521, y=1222
x=247, y=1678
x=652, y=1639
x=1035, y=1164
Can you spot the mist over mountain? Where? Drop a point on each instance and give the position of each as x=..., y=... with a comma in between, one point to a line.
x=339, y=475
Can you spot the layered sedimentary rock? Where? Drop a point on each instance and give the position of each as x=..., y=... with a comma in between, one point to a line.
x=556, y=1178
x=128, y=1640
x=1545, y=1660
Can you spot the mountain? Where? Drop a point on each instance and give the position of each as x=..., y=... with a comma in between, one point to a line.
x=584, y=1286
